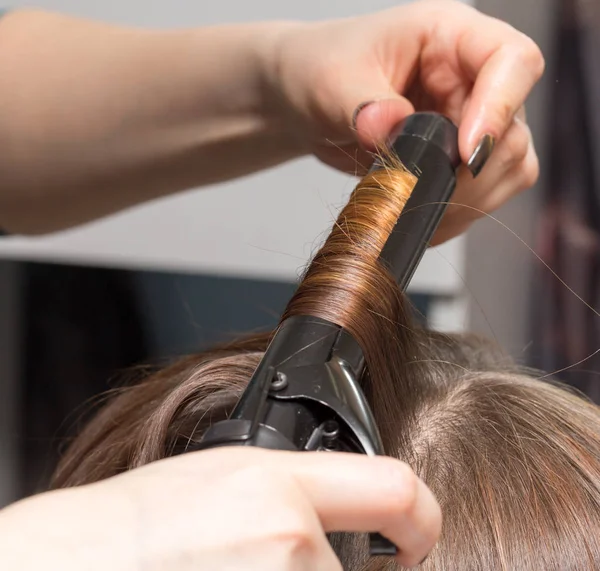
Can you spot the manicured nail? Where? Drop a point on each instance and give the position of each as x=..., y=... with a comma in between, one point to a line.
x=358, y=109
x=481, y=154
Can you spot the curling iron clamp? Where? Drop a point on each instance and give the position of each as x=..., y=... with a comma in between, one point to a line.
x=305, y=394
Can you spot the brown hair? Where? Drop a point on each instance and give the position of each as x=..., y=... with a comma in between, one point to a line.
x=513, y=461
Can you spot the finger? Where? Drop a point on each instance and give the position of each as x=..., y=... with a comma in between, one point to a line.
x=509, y=151
x=375, y=120
x=349, y=492
x=505, y=65
x=519, y=178
x=512, y=168
x=448, y=231
x=356, y=493
x=525, y=175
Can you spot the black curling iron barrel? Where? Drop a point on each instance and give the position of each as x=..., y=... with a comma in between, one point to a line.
x=428, y=147
x=305, y=394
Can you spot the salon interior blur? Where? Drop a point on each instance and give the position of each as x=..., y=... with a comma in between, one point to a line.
x=81, y=307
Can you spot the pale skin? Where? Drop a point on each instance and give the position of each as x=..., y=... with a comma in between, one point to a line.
x=95, y=118
x=249, y=510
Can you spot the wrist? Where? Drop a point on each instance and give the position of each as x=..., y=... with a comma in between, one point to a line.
x=236, y=97
x=281, y=99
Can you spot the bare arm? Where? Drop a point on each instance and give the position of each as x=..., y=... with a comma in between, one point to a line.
x=95, y=117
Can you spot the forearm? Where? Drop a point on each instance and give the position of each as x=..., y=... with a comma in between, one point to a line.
x=67, y=531
x=95, y=118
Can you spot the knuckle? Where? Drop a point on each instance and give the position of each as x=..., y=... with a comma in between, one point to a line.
x=403, y=493
x=296, y=536
x=533, y=57
x=517, y=143
x=531, y=171
x=503, y=113
x=290, y=531
x=513, y=148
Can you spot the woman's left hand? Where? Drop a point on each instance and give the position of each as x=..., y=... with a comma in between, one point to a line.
x=347, y=83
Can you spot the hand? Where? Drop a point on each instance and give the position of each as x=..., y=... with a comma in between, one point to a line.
x=246, y=509
x=346, y=84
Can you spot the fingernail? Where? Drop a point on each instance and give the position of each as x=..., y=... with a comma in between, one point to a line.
x=481, y=155
x=358, y=109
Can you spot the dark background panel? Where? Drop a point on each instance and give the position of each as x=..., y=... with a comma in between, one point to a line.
x=82, y=328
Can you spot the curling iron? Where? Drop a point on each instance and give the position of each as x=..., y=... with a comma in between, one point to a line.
x=305, y=394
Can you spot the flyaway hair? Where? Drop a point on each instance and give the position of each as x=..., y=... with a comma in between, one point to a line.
x=514, y=461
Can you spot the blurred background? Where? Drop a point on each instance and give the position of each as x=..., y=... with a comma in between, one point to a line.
x=78, y=308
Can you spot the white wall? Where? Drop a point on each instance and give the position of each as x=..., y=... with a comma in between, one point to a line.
x=211, y=230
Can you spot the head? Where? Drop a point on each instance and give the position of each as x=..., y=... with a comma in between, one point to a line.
x=513, y=460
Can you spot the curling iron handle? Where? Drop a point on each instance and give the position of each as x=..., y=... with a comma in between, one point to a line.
x=237, y=433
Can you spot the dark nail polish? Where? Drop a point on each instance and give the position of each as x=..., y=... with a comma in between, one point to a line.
x=358, y=109
x=481, y=154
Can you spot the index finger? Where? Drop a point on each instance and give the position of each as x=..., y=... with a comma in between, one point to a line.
x=349, y=492
x=356, y=493
x=505, y=65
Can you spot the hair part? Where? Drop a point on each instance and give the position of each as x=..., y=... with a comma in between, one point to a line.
x=513, y=461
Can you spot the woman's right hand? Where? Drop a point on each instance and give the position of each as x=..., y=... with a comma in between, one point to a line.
x=346, y=84
x=244, y=509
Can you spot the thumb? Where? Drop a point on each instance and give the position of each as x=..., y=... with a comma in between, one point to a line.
x=373, y=120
